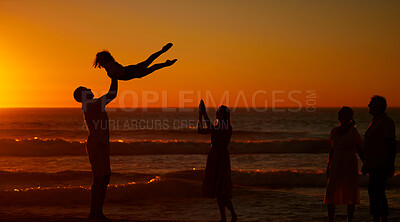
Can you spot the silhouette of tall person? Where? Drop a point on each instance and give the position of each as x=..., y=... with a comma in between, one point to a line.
x=380, y=154
x=217, y=181
x=98, y=145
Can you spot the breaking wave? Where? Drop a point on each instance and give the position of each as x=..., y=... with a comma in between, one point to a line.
x=59, y=147
x=73, y=187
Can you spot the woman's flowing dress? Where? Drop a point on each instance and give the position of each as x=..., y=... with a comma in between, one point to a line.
x=342, y=185
x=217, y=181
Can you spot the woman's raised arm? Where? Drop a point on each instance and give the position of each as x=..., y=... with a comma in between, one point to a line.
x=202, y=112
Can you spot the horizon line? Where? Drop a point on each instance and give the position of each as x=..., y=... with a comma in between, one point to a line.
x=177, y=107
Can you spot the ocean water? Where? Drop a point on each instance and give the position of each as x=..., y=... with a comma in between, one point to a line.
x=158, y=159
x=156, y=124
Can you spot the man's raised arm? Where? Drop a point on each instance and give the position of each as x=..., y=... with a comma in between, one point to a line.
x=112, y=92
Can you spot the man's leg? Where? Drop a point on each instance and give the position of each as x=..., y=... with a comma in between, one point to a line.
x=382, y=194
x=105, y=180
x=95, y=197
x=377, y=196
x=98, y=192
x=100, y=161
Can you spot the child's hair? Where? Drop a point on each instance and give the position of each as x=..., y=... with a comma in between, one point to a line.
x=104, y=56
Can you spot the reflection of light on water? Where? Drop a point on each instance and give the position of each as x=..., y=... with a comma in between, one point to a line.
x=155, y=179
x=194, y=168
x=282, y=171
x=16, y=140
x=35, y=138
x=49, y=188
x=122, y=185
x=152, y=180
x=120, y=141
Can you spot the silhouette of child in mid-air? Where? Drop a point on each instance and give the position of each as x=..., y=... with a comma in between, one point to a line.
x=117, y=71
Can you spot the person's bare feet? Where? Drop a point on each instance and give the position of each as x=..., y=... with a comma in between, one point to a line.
x=166, y=47
x=170, y=62
x=98, y=218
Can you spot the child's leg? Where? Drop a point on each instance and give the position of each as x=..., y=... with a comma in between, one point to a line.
x=161, y=65
x=141, y=72
x=154, y=56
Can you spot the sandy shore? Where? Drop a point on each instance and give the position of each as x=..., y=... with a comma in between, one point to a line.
x=26, y=218
x=263, y=204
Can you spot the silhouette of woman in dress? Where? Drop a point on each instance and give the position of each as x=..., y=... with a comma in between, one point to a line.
x=217, y=181
x=342, y=169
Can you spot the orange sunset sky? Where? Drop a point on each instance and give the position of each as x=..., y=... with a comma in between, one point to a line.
x=346, y=51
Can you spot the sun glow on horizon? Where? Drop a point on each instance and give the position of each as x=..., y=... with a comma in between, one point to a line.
x=346, y=57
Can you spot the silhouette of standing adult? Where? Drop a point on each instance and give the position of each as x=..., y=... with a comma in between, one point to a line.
x=342, y=169
x=217, y=181
x=98, y=145
x=380, y=154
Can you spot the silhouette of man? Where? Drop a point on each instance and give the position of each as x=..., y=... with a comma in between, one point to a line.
x=98, y=145
x=380, y=154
